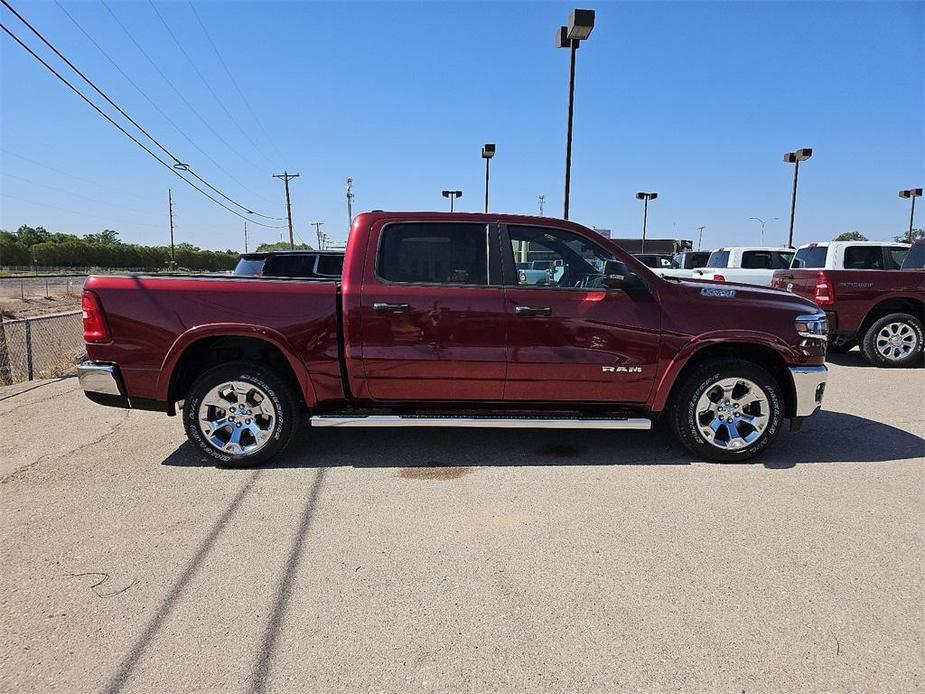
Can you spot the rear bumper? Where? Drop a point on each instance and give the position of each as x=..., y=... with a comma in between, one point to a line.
x=102, y=383
x=809, y=388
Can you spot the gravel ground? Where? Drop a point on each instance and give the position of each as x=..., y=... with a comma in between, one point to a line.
x=463, y=561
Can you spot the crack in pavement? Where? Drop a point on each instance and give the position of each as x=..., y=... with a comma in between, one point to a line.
x=56, y=456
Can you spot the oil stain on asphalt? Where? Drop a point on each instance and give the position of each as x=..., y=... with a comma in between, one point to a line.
x=432, y=470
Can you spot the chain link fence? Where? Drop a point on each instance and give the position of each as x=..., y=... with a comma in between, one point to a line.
x=42, y=286
x=40, y=347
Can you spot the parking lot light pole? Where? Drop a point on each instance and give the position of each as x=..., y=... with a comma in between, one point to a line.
x=795, y=158
x=580, y=24
x=762, y=222
x=488, y=151
x=452, y=195
x=645, y=197
x=911, y=193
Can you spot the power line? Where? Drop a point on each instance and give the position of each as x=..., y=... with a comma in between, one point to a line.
x=206, y=82
x=123, y=130
x=183, y=166
x=151, y=101
x=234, y=82
x=70, y=192
x=177, y=91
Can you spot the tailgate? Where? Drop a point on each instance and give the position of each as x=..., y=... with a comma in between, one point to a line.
x=799, y=282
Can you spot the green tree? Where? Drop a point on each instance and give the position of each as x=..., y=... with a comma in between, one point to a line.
x=29, y=236
x=281, y=246
x=106, y=237
x=850, y=236
x=917, y=234
x=12, y=252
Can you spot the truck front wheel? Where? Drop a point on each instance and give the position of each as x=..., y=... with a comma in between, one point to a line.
x=894, y=340
x=240, y=414
x=727, y=410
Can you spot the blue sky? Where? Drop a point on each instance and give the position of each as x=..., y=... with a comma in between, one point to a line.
x=698, y=101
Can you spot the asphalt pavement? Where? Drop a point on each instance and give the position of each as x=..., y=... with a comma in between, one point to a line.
x=466, y=560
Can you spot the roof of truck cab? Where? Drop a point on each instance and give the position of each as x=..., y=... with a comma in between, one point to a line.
x=826, y=244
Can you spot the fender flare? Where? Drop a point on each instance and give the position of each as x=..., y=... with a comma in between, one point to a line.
x=697, y=344
x=185, y=340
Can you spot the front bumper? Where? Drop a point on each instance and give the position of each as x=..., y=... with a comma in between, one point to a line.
x=102, y=383
x=808, y=388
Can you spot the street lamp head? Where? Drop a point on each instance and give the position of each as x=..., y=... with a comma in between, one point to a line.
x=451, y=193
x=640, y=196
x=799, y=155
x=445, y=193
x=580, y=24
x=646, y=196
x=458, y=193
x=562, y=40
x=488, y=151
x=911, y=193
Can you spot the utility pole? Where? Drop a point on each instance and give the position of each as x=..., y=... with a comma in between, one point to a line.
x=319, y=234
x=245, y=236
x=700, y=239
x=542, y=200
x=173, y=260
x=349, y=204
x=286, y=176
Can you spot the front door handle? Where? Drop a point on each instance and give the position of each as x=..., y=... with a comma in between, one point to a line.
x=533, y=311
x=391, y=308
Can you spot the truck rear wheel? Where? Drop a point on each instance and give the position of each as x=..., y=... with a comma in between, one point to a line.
x=727, y=410
x=240, y=414
x=894, y=340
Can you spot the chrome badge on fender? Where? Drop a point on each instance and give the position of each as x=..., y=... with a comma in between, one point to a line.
x=622, y=369
x=718, y=291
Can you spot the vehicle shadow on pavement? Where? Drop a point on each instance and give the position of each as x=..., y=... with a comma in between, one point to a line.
x=855, y=358
x=828, y=437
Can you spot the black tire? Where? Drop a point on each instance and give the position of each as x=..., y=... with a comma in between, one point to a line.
x=869, y=344
x=266, y=381
x=683, y=416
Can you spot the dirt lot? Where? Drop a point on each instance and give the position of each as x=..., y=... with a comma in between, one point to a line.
x=462, y=561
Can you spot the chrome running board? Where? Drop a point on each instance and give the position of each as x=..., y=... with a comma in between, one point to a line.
x=488, y=422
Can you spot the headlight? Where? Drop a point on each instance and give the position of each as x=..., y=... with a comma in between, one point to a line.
x=815, y=326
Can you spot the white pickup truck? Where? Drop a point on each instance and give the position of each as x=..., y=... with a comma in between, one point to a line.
x=851, y=255
x=745, y=264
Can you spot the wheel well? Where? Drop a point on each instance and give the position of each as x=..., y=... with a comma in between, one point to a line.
x=212, y=351
x=914, y=307
x=764, y=357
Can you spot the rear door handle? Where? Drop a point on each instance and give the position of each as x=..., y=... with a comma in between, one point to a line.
x=391, y=308
x=533, y=311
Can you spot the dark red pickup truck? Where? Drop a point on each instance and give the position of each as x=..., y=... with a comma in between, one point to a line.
x=881, y=311
x=432, y=325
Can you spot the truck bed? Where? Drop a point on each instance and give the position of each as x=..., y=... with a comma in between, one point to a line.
x=152, y=318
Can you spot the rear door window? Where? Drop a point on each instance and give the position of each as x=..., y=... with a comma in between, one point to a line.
x=757, y=260
x=811, y=257
x=289, y=265
x=864, y=258
x=434, y=253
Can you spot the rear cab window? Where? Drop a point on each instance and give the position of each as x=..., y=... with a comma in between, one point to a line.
x=434, y=253
x=250, y=266
x=811, y=257
x=895, y=256
x=718, y=259
x=915, y=258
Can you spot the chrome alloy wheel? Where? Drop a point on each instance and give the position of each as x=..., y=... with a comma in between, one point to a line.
x=733, y=413
x=896, y=341
x=237, y=417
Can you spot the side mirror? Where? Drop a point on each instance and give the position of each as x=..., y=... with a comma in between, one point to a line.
x=617, y=275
